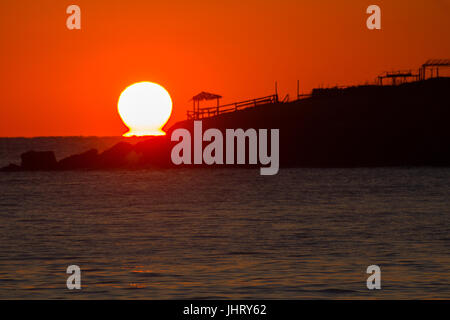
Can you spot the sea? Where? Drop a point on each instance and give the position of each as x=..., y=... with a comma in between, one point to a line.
x=220, y=233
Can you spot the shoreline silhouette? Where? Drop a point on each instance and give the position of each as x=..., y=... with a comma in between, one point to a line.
x=360, y=126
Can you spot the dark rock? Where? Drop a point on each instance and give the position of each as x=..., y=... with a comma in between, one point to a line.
x=38, y=160
x=119, y=156
x=11, y=168
x=83, y=160
x=155, y=152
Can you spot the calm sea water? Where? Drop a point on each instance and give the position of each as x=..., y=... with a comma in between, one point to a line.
x=222, y=233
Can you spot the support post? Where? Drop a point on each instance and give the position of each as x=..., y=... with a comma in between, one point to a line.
x=198, y=110
x=217, y=106
x=276, y=90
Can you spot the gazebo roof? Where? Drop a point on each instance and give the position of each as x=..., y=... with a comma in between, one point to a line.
x=205, y=96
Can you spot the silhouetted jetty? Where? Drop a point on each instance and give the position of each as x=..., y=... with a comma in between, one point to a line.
x=201, y=113
x=362, y=126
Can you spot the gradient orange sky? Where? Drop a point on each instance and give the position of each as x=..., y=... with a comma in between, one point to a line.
x=57, y=82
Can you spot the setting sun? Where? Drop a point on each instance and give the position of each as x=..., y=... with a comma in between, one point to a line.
x=145, y=107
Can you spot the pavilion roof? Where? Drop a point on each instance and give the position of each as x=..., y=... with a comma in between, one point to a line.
x=205, y=96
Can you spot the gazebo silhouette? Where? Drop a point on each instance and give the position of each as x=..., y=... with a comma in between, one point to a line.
x=204, y=96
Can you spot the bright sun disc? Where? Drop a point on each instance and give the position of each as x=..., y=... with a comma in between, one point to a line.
x=145, y=107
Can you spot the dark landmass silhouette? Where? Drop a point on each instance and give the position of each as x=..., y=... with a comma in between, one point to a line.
x=361, y=126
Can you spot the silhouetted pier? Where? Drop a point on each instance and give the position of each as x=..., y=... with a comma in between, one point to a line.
x=433, y=65
x=200, y=113
x=402, y=76
x=396, y=78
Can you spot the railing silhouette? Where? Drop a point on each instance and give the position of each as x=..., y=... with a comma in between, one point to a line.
x=231, y=107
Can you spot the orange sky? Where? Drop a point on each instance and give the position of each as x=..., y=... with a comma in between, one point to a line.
x=60, y=82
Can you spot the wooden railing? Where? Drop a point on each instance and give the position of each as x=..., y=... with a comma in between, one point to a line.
x=231, y=107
